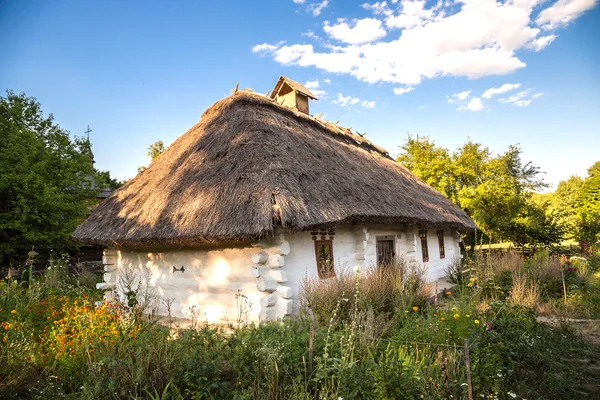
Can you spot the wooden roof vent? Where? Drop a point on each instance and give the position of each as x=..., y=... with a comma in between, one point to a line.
x=292, y=94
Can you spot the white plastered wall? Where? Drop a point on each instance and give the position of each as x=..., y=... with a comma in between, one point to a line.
x=269, y=273
x=205, y=290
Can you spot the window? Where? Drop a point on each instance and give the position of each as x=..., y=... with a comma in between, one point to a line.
x=324, y=253
x=440, y=235
x=423, y=236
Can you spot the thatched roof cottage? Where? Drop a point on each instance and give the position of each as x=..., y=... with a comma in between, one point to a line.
x=259, y=194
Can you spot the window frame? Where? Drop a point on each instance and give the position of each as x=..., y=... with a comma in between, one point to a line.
x=442, y=246
x=328, y=242
x=424, y=248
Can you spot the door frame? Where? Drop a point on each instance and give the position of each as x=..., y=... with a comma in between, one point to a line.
x=385, y=238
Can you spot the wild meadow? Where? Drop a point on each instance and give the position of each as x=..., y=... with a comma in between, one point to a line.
x=372, y=334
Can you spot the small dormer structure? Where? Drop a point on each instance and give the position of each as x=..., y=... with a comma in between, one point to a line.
x=292, y=94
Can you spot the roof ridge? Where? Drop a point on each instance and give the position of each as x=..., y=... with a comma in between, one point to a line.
x=332, y=128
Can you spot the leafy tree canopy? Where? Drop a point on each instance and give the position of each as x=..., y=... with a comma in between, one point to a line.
x=494, y=190
x=562, y=205
x=47, y=180
x=155, y=150
x=588, y=206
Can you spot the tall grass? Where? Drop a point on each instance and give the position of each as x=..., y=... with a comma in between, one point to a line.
x=381, y=291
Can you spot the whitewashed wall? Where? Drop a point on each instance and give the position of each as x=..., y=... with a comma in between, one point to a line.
x=206, y=288
x=212, y=277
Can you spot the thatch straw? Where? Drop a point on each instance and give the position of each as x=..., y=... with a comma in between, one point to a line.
x=250, y=166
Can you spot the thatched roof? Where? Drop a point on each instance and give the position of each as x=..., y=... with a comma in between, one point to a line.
x=250, y=166
x=298, y=87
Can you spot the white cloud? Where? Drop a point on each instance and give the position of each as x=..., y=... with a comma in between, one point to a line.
x=316, y=8
x=541, y=42
x=299, y=1
x=357, y=32
x=264, y=48
x=467, y=38
x=502, y=89
x=562, y=12
x=413, y=14
x=349, y=100
x=474, y=104
x=368, y=104
x=328, y=81
x=401, y=90
x=515, y=97
x=457, y=97
x=520, y=99
x=379, y=8
x=313, y=86
x=344, y=101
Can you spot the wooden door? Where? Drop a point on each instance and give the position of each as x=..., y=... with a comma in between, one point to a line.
x=385, y=252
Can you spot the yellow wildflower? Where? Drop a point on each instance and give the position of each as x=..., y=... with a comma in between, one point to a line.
x=476, y=322
x=456, y=316
x=13, y=312
x=415, y=308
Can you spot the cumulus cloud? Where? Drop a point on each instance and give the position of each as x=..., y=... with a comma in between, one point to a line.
x=541, y=42
x=349, y=100
x=562, y=12
x=413, y=13
x=472, y=39
x=264, y=48
x=358, y=31
x=457, y=97
x=379, y=8
x=314, y=87
x=368, y=104
x=316, y=8
x=299, y=1
x=401, y=90
x=507, y=87
x=474, y=104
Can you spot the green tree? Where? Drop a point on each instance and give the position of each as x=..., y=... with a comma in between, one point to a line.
x=495, y=191
x=105, y=180
x=155, y=150
x=562, y=205
x=430, y=163
x=47, y=179
x=588, y=207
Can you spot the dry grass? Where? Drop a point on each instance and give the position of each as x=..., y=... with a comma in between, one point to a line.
x=523, y=291
x=377, y=292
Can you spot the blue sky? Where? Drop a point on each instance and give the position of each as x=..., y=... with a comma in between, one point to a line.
x=141, y=71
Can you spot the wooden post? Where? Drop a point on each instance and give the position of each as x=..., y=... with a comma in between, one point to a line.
x=562, y=274
x=468, y=364
x=311, y=342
